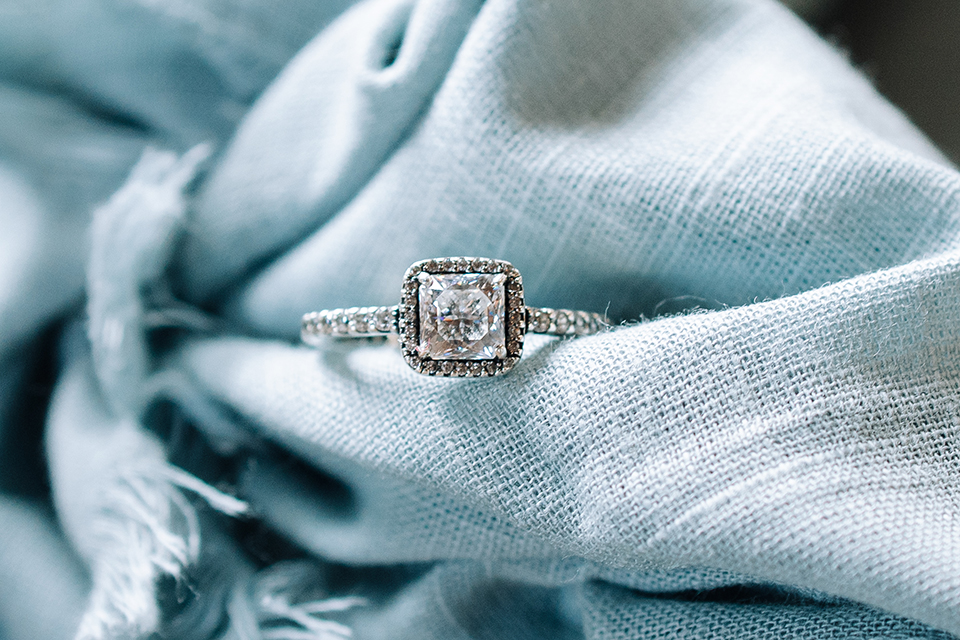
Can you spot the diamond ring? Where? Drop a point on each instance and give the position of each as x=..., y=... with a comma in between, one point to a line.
x=457, y=317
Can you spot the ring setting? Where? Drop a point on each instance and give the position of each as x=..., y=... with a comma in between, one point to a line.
x=457, y=317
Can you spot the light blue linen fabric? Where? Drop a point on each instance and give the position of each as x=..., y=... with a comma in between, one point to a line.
x=781, y=463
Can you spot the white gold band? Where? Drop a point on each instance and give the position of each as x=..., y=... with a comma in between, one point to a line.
x=355, y=322
x=366, y=322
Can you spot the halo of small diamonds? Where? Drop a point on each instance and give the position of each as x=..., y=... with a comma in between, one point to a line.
x=514, y=316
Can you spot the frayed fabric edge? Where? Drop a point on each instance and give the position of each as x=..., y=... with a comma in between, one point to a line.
x=146, y=529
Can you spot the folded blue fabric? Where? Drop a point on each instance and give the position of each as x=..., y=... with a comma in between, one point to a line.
x=779, y=461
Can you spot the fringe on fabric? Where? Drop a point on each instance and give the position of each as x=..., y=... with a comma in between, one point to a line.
x=147, y=529
x=141, y=528
x=283, y=600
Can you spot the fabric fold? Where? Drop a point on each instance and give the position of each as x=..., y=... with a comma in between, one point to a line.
x=183, y=72
x=691, y=170
x=614, y=613
x=43, y=582
x=56, y=163
x=125, y=519
x=133, y=235
x=822, y=463
x=327, y=124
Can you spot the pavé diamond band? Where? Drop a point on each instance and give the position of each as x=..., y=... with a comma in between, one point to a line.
x=458, y=317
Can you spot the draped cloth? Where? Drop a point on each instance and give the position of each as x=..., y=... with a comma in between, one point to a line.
x=764, y=444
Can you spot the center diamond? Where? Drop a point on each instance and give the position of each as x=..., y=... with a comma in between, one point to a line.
x=462, y=316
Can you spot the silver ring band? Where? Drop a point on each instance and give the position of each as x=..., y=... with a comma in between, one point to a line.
x=369, y=322
x=458, y=317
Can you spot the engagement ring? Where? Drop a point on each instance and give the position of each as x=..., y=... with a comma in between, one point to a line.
x=457, y=317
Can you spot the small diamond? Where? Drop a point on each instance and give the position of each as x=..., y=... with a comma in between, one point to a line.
x=582, y=323
x=541, y=321
x=325, y=323
x=384, y=319
x=561, y=321
x=340, y=322
x=358, y=323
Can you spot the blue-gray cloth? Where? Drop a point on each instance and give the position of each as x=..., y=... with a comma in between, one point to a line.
x=766, y=444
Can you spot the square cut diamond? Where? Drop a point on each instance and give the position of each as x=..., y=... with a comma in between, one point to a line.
x=462, y=316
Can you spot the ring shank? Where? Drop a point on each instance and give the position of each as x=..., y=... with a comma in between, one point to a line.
x=564, y=322
x=354, y=322
x=365, y=322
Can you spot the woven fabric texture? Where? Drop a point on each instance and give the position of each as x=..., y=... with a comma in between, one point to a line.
x=764, y=444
